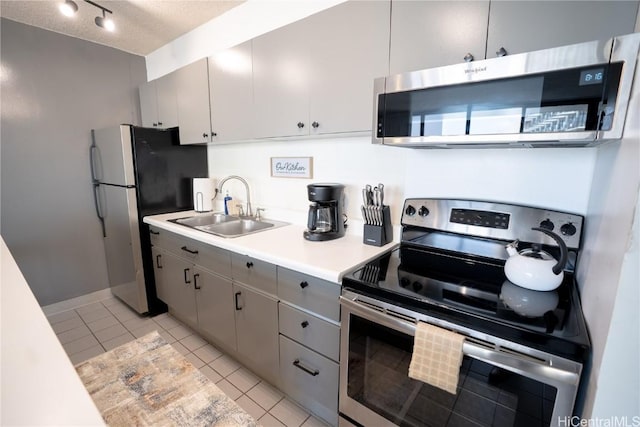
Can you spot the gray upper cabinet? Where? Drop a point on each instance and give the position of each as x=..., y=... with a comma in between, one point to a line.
x=427, y=34
x=281, y=82
x=158, y=102
x=343, y=64
x=315, y=76
x=231, y=94
x=192, y=83
x=523, y=26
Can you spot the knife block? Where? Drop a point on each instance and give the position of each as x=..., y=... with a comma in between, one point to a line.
x=379, y=235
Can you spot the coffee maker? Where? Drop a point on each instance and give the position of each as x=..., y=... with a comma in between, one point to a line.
x=325, y=221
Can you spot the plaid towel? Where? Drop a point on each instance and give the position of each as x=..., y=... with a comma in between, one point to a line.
x=437, y=355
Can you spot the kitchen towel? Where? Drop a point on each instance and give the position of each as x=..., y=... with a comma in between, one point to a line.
x=146, y=382
x=203, y=191
x=436, y=358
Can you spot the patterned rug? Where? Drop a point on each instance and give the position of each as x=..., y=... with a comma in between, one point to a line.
x=148, y=383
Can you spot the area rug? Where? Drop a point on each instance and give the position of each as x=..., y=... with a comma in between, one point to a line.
x=148, y=383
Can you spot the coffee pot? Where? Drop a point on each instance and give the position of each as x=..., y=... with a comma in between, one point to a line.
x=325, y=218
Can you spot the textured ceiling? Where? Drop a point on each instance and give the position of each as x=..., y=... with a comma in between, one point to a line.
x=142, y=26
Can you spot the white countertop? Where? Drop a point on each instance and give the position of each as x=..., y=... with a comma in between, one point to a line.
x=40, y=386
x=329, y=260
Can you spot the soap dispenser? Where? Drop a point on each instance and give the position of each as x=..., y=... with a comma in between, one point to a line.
x=227, y=199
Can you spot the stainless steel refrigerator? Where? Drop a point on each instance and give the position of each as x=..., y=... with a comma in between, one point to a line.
x=137, y=172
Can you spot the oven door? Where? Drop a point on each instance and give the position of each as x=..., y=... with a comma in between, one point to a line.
x=497, y=386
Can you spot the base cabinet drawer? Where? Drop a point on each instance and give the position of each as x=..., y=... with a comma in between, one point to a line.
x=311, y=331
x=253, y=272
x=311, y=293
x=310, y=378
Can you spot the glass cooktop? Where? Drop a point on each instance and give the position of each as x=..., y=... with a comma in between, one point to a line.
x=472, y=290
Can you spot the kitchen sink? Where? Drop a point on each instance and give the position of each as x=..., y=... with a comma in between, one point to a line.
x=227, y=225
x=206, y=219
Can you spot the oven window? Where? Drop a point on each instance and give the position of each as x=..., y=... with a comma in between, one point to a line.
x=378, y=369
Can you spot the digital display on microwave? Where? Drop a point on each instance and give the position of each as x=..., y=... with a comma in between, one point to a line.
x=591, y=77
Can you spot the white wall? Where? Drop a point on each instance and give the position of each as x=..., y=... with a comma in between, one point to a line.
x=553, y=178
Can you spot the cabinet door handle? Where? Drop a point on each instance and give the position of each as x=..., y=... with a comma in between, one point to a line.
x=159, y=123
x=158, y=265
x=214, y=134
x=300, y=125
x=468, y=57
x=304, y=284
x=238, y=308
x=151, y=231
x=195, y=281
x=155, y=124
x=205, y=135
x=304, y=324
x=186, y=276
x=186, y=249
x=315, y=125
x=249, y=264
x=312, y=372
x=501, y=52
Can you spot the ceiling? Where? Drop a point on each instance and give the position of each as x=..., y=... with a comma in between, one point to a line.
x=142, y=26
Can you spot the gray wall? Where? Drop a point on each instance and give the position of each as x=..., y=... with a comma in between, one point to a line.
x=55, y=89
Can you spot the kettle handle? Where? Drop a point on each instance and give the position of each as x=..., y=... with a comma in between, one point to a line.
x=564, y=252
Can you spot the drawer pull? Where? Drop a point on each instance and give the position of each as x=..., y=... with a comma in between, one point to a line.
x=304, y=324
x=312, y=372
x=249, y=264
x=158, y=265
x=238, y=308
x=304, y=284
x=186, y=276
x=186, y=249
x=154, y=232
x=195, y=281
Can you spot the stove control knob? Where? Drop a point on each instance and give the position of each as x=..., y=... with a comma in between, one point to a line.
x=547, y=225
x=410, y=210
x=404, y=282
x=417, y=286
x=568, y=229
x=423, y=211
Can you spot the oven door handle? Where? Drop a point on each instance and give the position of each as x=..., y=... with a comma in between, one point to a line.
x=567, y=374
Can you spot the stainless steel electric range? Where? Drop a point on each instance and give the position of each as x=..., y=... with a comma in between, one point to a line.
x=524, y=350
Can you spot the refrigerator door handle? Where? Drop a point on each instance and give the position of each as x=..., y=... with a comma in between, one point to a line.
x=98, y=205
x=95, y=160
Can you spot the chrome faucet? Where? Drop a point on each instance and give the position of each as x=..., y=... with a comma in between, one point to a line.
x=246, y=186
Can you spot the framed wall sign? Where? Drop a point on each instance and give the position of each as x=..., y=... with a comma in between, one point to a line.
x=292, y=167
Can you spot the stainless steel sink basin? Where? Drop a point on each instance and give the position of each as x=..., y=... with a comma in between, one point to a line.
x=205, y=219
x=237, y=228
x=227, y=225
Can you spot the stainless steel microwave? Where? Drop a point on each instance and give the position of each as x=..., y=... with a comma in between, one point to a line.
x=570, y=96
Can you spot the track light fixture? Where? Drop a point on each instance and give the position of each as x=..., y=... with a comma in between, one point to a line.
x=69, y=8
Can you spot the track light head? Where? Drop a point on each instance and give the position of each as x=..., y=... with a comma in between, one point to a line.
x=68, y=8
x=104, y=22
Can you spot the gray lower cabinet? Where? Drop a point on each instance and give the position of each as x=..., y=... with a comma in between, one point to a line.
x=216, y=315
x=256, y=317
x=176, y=286
x=309, y=315
x=308, y=292
x=310, y=331
x=310, y=378
x=253, y=272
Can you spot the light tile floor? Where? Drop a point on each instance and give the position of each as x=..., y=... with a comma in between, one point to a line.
x=90, y=330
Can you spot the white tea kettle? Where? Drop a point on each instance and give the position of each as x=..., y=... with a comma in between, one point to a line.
x=535, y=269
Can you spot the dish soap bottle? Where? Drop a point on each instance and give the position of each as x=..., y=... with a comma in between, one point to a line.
x=227, y=198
